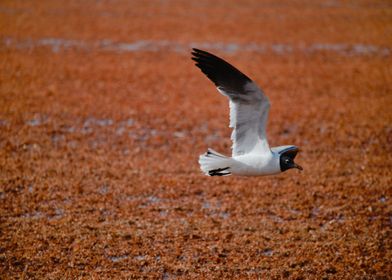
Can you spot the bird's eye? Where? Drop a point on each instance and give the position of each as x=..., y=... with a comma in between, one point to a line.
x=287, y=161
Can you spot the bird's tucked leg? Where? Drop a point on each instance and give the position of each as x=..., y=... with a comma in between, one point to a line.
x=219, y=172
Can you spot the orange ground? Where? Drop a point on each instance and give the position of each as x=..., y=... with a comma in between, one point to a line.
x=99, y=143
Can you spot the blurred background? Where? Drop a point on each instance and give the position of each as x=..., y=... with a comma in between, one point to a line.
x=103, y=116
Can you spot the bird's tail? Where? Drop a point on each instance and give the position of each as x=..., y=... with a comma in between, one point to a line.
x=213, y=163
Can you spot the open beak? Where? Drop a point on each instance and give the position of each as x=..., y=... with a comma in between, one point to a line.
x=298, y=166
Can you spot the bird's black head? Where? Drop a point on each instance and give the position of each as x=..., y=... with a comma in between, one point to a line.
x=287, y=160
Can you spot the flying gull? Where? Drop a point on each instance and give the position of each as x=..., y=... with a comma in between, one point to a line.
x=249, y=107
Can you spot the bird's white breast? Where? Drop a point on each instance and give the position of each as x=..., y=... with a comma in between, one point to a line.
x=256, y=164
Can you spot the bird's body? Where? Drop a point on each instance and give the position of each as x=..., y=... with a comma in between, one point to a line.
x=256, y=165
x=249, y=107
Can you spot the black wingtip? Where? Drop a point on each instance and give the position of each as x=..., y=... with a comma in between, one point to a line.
x=220, y=72
x=196, y=50
x=200, y=54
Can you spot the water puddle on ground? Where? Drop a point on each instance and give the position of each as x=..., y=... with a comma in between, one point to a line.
x=118, y=258
x=60, y=44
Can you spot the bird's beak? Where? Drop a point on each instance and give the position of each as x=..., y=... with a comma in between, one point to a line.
x=298, y=166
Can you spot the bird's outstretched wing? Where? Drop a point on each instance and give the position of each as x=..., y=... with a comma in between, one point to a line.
x=249, y=106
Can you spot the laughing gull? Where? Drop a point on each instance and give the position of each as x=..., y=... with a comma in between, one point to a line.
x=249, y=106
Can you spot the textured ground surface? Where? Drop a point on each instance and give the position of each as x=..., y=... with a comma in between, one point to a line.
x=103, y=116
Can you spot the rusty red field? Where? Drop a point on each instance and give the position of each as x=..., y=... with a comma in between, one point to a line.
x=103, y=117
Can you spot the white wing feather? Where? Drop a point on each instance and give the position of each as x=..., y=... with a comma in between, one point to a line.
x=248, y=118
x=249, y=106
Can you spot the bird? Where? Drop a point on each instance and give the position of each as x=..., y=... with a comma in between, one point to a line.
x=249, y=108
